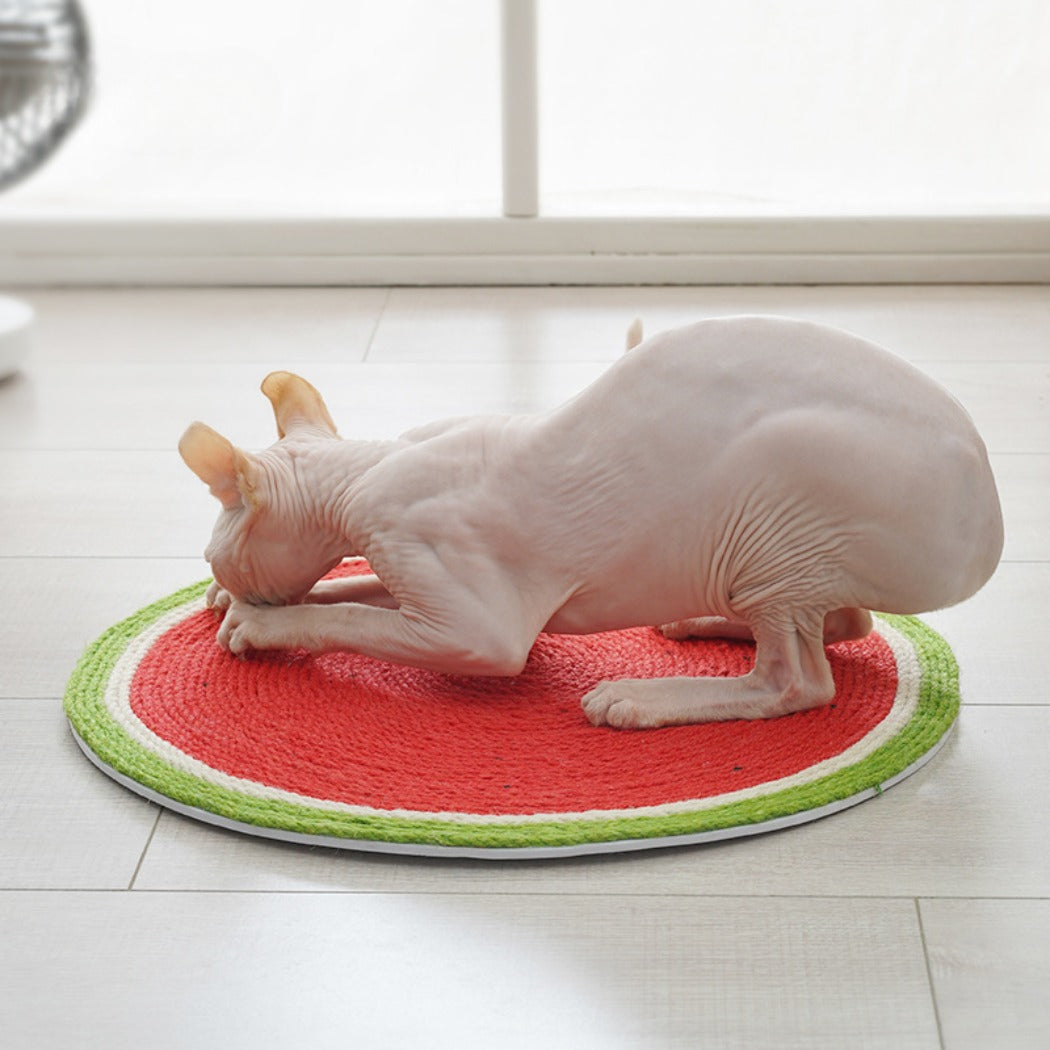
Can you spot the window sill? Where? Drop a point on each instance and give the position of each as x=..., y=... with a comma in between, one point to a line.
x=756, y=250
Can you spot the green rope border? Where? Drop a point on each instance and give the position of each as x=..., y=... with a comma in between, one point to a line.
x=85, y=708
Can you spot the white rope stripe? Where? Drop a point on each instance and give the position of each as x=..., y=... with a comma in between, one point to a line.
x=118, y=704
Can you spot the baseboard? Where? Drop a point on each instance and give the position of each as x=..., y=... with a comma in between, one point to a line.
x=801, y=250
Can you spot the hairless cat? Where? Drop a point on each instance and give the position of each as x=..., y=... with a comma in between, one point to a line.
x=749, y=477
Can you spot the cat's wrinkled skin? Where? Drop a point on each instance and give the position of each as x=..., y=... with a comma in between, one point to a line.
x=750, y=477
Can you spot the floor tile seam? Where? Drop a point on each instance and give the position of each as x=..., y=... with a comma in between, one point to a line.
x=62, y=450
x=993, y=706
x=105, y=557
x=22, y=698
x=145, y=848
x=392, y=358
x=923, y=362
x=931, y=984
x=381, y=314
x=905, y=898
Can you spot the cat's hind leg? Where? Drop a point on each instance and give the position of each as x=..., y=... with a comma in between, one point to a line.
x=840, y=625
x=791, y=673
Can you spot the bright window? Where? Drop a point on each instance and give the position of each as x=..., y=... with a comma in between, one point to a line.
x=347, y=108
x=643, y=141
x=753, y=107
x=256, y=108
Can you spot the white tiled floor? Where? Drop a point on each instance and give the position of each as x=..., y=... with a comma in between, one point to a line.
x=916, y=920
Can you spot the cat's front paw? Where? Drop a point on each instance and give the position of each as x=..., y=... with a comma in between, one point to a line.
x=217, y=598
x=239, y=630
x=246, y=627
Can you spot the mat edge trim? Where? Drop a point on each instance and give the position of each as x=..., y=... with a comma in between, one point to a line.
x=115, y=699
x=422, y=849
x=939, y=676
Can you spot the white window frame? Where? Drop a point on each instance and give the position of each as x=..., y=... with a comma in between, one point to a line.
x=523, y=247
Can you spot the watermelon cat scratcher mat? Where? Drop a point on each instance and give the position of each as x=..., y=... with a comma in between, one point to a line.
x=340, y=750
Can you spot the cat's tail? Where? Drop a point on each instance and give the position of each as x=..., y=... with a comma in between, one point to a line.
x=634, y=334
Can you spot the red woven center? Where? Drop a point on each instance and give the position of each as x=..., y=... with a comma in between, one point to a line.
x=349, y=729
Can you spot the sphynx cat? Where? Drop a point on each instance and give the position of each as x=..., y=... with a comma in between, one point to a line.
x=749, y=477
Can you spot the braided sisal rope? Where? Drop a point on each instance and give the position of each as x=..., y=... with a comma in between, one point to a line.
x=354, y=751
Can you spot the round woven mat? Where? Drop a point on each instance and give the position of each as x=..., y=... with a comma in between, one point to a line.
x=342, y=750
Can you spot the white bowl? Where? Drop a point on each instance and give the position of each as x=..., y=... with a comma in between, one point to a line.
x=16, y=326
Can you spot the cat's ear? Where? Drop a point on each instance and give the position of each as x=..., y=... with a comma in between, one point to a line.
x=297, y=405
x=225, y=469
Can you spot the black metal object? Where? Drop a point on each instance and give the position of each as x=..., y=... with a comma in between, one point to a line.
x=45, y=81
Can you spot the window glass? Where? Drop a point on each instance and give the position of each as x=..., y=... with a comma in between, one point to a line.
x=747, y=107
x=330, y=108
